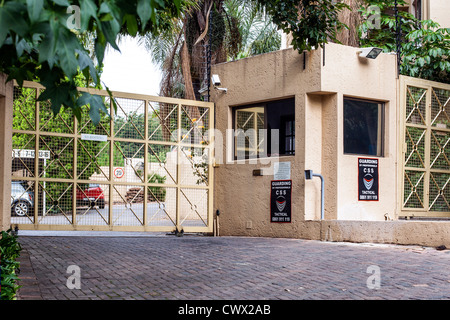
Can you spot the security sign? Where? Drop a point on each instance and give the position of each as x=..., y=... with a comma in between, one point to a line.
x=280, y=201
x=368, y=179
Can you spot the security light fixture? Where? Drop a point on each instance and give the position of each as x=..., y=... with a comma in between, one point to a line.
x=369, y=53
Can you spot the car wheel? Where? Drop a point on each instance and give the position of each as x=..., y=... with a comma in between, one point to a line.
x=101, y=204
x=20, y=208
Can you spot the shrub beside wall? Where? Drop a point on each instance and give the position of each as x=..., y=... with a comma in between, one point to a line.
x=9, y=266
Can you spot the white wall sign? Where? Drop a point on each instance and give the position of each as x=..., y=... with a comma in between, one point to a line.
x=282, y=170
x=23, y=153
x=94, y=137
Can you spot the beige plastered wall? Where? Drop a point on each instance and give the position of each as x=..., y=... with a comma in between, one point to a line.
x=6, y=111
x=438, y=11
x=319, y=89
x=345, y=74
x=243, y=199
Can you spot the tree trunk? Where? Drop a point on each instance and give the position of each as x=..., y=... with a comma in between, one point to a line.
x=193, y=112
x=352, y=18
x=186, y=69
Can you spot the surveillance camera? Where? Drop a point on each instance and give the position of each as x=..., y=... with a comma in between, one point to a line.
x=215, y=80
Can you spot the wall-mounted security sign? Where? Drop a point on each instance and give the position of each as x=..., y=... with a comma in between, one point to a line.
x=280, y=201
x=368, y=183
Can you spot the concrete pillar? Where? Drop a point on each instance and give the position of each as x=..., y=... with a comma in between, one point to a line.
x=6, y=118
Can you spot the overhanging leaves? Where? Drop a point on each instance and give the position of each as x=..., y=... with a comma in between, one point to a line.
x=12, y=20
x=425, y=46
x=311, y=23
x=37, y=44
x=95, y=104
x=34, y=9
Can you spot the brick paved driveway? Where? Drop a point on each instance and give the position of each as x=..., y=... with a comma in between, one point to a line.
x=197, y=267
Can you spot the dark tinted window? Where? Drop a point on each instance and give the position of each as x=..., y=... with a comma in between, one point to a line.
x=266, y=129
x=363, y=127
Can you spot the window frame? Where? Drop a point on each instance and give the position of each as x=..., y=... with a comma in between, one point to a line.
x=234, y=114
x=417, y=9
x=284, y=120
x=264, y=105
x=381, y=127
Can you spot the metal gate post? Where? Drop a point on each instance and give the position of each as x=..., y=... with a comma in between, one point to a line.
x=36, y=160
x=75, y=172
x=146, y=163
x=6, y=116
x=178, y=166
x=111, y=164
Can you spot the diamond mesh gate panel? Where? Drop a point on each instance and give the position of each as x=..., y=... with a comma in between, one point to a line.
x=426, y=166
x=145, y=168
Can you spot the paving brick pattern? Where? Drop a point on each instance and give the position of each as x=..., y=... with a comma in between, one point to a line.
x=228, y=268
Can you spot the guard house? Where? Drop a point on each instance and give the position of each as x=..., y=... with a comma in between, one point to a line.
x=335, y=113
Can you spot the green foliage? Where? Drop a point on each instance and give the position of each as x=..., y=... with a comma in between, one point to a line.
x=37, y=44
x=425, y=47
x=157, y=193
x=240, y=29
x=10, y=251
x=426, y=54
x=200, y=166
x=250, y=31
x=128, y=127
x=60, y=164
x=311, y=23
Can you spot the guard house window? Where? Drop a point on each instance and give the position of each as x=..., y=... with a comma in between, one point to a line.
x=363, y=127
x=264, y=129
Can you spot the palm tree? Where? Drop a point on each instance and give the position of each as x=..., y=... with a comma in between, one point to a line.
x=239, y=29
x=250, y=30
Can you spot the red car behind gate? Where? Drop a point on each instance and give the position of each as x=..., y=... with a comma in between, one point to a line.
x=91, y=197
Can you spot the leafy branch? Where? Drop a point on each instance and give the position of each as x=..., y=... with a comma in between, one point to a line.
x=311, y=23
x=425, y=46
x=36, y=42
x=9, y=252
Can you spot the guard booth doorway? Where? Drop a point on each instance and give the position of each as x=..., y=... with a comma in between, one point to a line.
x=146, y=168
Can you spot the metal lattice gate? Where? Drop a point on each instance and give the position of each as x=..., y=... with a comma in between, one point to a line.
x=425, y=108
x=147, y=168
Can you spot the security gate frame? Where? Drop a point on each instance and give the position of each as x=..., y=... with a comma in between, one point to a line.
x=186, y=214
x=424, y=148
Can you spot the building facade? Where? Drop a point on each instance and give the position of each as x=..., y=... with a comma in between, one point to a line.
x=345, y=120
